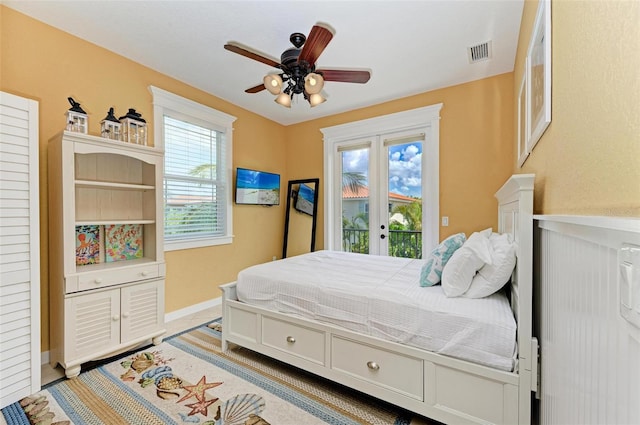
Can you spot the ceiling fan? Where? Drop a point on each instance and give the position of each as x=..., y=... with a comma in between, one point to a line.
x=298, y=68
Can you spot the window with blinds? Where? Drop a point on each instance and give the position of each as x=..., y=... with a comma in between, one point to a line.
x=198, y=142
x=195, y=184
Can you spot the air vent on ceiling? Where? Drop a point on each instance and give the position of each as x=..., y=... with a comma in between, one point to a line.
x=479, y=52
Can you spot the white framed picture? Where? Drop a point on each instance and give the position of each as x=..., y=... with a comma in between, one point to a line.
x=521, y=137
x=538, y=75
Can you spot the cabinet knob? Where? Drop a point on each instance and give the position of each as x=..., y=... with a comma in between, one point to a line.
x=115, y=318
x=291, y=339
x=145, y=273
x=125, y=315
x=373, y=365
x=98, y=280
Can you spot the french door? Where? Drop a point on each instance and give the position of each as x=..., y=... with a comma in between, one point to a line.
x=381, y=176
x=381, y=195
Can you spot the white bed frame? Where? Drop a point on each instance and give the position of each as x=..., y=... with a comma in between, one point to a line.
x=433, y=385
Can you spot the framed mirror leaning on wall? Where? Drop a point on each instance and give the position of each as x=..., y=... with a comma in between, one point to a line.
x=300, y=217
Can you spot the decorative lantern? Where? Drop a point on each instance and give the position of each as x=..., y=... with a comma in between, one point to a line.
x=110, y=127
x=77, y=118
x=134, y=128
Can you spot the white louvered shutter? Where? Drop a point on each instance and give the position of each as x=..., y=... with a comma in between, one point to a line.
x=19, y=249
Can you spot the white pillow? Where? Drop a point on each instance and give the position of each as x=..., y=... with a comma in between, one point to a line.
x=464, y=263
x=486, y=232
x=492, y=277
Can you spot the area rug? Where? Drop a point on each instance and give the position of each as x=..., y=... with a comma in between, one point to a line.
x=188, y=380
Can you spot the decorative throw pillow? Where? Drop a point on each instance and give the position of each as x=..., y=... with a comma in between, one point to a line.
x=464, y=263
x=432, y=270
x=492, y=277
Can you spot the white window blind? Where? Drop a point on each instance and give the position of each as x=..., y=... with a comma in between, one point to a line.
x=195, y=184
x=197, y=141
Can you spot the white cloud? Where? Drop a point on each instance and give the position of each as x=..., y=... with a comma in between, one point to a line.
x=410, y=151
x=405, y=167
x=356, y=161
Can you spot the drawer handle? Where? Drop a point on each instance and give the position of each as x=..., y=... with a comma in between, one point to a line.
x=291, y=339
x=145, y=273
x=373, y=365
x=98, y=281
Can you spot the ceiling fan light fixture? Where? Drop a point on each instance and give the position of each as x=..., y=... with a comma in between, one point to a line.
x=297, y=68
x=313, y=83
x=273, y=83
x=284, y=100
x=315, y=99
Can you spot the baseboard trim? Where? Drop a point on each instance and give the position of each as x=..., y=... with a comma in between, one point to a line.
x=174, y=315
x=192, y=309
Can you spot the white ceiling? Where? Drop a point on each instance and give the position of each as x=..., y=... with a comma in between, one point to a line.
x=410, y=47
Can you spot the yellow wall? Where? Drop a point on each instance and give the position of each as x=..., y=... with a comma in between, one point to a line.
x=588, y=160
x=475, y=160
x=48, y=65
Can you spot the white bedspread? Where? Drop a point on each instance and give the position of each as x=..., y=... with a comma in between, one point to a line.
x=381, y=297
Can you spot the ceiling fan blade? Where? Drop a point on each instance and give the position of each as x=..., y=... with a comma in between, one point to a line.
x=252, y=55
x=345, y=76
x=318, y=39
x=255, y=89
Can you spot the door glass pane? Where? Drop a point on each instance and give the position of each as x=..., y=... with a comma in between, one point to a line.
x=405, y=200
x=355, y=200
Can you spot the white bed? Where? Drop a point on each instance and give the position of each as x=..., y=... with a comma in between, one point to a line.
x=382, y=297
x=450, y=359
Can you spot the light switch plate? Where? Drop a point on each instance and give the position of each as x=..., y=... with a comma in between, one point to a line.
x=629, y=283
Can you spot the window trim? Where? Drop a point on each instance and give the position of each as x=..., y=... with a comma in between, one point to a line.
x=166, y=103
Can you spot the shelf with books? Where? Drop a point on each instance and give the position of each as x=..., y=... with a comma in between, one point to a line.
x=109, y=242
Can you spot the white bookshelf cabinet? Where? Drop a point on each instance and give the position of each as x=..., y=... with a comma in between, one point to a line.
x=101, y=309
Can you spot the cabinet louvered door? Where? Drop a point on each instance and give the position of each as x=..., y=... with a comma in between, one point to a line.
x=19, y=249
x=142, y=309
x=93, y=324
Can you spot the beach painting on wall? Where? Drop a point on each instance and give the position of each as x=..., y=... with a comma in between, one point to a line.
x=87, y=245
x=123, y=242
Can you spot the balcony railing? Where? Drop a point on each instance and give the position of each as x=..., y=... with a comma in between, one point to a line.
x=402, y=243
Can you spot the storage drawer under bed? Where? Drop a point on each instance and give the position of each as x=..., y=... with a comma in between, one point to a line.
x=390, y=370
x=297, y=340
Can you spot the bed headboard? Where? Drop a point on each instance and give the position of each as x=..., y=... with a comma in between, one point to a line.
x=515, y=216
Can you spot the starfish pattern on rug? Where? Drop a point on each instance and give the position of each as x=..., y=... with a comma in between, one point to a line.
x=168, y=367
x=201, y=406
x=198, y=390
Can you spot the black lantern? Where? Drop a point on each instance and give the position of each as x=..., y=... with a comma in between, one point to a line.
x=77, y=118
x=134, y=128
x=110, y=127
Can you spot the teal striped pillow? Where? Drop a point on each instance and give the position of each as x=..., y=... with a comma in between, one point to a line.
x=431, y=272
